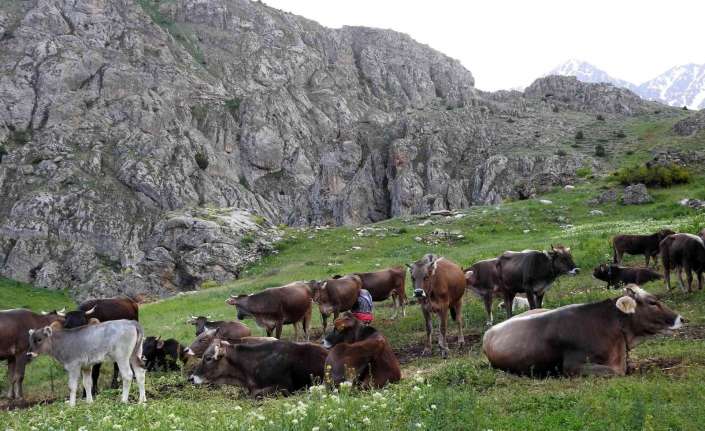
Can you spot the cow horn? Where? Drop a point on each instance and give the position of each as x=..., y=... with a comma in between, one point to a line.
x=208, y=317
x=31, y=331
x=225, y=342
x=61, y=313
x=91, y=311
x=44, y=313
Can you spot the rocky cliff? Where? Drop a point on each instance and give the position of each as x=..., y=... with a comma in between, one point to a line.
x=125, y=124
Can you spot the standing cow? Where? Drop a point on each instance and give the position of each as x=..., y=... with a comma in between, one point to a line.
x=439, y=285
x=14, y=343
x=277, y=306
x=648, y=245
x=103, y=310
x=382, y=284
x=482, y=278
x=532, y=272
x=683, y=251
x=336, y=295
x=78, y=349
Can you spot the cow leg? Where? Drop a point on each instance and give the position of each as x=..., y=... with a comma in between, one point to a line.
x=10, y=377
x=395, y=303
x=116, y=371
x=126, y=375
x=680, y=277
x=278, y=330
x=306, y=323
x=429, y=331
x=96, y=375
x=689, y=278
x=139, y=372
x=487, y=300
x=20, y=365
x=296, y=331
x=508, y=302
x=459, y=317
x=700, y=280
x=74, y=373
x=442, y=342
x=574, y=365
x=324, y=322
x=87, y=384
x=530, y=297
x=539, y=300
x=647, y=258
x=667, y=274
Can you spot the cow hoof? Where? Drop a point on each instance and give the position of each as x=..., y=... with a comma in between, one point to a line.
x=444, y=354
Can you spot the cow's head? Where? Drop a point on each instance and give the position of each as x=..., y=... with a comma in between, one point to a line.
x=344, y=330
x=421, y=272
x=151, y=347
x=240, y=303
x=562, y=260
x=646, y=314
x=199, y=322
x=315, y=288
x=663, y=233
x=40, y=339
x=470, y=278
x=213, y=366
x=201, y=343
x=77, y=318
x=602, y=272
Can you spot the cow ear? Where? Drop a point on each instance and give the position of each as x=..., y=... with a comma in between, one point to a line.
x=91, y=311
x=93, y=321
x=55, y=325
x=626, y=305
x=61, y=312
x=44, y=313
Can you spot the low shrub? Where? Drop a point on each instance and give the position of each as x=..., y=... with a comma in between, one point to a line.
x=233, y=106
x=579, y=135
x=600, y=150
x=653, y=175
x=619, y=134
x=202, y=160
x=600, y=117
x=583, y=172
x=561, y=153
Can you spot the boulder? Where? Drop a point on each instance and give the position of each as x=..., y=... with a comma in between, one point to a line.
x=605, y=197
x=636, y=194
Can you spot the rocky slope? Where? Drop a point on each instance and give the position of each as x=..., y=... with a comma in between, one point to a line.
x=117, y=116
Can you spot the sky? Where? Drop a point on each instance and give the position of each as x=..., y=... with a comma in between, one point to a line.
x=507, y=44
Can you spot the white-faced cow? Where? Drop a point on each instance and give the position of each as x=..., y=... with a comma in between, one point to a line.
x=578, y=339
x=683, y=252
x=532, y=272
x=80, y=348
x=439, y=285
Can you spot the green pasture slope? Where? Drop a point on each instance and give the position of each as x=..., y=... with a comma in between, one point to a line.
x=664, y=392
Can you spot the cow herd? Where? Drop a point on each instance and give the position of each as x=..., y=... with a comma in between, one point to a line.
x=571, y=340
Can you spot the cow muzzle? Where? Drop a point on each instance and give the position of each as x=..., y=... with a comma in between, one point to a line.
x=574, y=271
x=196, y=380
x=189, y=352
x=678, y=322
x=419, y=293
x=32, y=354
x=326, y=344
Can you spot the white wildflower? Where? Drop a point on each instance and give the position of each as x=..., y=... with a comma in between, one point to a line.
x=366, y=420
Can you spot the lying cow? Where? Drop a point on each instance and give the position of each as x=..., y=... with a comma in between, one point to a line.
x=277, y=306
x=648, y=245
x=578, y=339
x=362, y=351
x=616, y=275
x=231, y=328
x=262, y=368
x=439, y=285
x=532, y=272
x=683, y=252
x=14, y=343
x=161, y=354
x=482, y=278
x=78, y=349
x=336, y=295
x=385, y=283
x=203, y=341
x=103, y=310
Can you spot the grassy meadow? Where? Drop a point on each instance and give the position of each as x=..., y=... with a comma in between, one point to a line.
x=664, y=391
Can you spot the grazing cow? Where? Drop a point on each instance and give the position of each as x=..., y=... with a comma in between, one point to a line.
x=683, y=251
x=362, y=351
x=648, y=245
x=262, y=368
x=201, y=343
x=104, y=310
x=161, y=354
x=439, y=285
x=336, y=295
x=14, y=325
x=616, y=275
x=77, y=349
x=578, y=339
x=232, y=329
x=277, y=306
x=382, y=284
x=482, y=279
x=532, y=272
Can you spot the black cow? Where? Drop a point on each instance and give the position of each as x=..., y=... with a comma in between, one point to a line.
x=161, y=354
x=616, y=275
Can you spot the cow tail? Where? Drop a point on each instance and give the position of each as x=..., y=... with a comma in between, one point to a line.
x=452, y=314
x=137, y=350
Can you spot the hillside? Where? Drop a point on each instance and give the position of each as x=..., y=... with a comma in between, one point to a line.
x=128, y=128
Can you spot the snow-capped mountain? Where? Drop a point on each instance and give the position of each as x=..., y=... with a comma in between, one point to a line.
x=679, y=86
x=586, y=72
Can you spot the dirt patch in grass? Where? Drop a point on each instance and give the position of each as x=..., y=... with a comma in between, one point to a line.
x=648, y=365
x=6, y=405
x=690, y=332
x=413, y=352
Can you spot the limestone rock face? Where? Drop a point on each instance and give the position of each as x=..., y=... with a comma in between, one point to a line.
x=636, y=194
x=690, y=125
x=115, y=115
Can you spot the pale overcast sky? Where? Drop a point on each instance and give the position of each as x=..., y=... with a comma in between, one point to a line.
x=508, y=43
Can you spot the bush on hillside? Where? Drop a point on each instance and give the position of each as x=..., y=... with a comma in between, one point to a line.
x=583, y=172
x=600, y=117
x=620, y=134
x=202, y=160
x=600, y=150
x=653, y=175
x=579, y=135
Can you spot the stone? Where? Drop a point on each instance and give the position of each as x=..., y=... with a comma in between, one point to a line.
x=545, y=201
x=596, y=213
x=636, y=194
x=605, y=197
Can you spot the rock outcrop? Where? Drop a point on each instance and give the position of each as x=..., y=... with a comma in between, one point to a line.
x=116, y=113
x=636, y=194
x=691, y=124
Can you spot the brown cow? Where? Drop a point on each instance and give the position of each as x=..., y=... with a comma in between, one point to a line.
x=382, y=284
x=683, y=251
x=362, y=351
x=616, y=275
x=262, y=368
x=203, y=341
x=648, y=245
x=231, y=329
x=580, y=338
x=336, y=295
x=482, y=278
x=277, y=306
x=14, y=343
x=104, y=310
x=439, y=285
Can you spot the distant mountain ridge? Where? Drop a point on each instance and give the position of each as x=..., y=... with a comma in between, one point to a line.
x=679, y=86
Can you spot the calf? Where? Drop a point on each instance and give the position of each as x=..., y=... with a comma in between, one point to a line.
x=532, y=272
x=103, y=310
x=161, y=354
x=648, y=245
x=382, y=284
x=277, y=306
x=337, y=295
x=683, y=251
x=233, y=329
x=203, y=341
x=616, y=275
x=482, y=278
x=580, y=338
x=78, y=349
x=262, y=368
x=439, y=285
x=362, y=351
x=14, y=343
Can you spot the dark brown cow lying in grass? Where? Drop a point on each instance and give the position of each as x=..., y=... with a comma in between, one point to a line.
x=616, y=275
x=578, y=339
